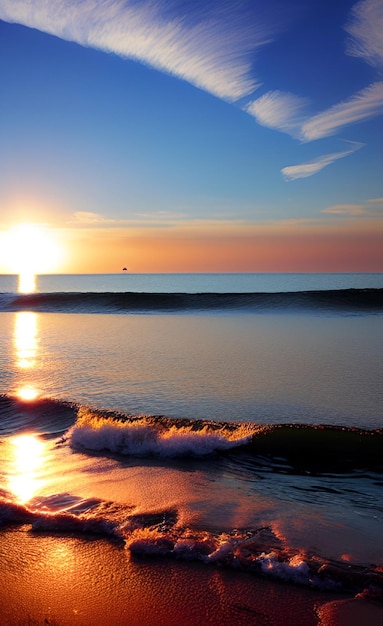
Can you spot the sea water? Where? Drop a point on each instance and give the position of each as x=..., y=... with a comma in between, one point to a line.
x=244, y=433
x=194, y=283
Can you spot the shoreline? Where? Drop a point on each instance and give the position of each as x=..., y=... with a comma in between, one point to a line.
x=60, y=581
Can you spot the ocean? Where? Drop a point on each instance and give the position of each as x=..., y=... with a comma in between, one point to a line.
x=230, y=420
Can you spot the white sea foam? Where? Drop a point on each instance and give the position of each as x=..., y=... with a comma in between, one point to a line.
x=144, y=535
x=142, y=437
x=295, y=570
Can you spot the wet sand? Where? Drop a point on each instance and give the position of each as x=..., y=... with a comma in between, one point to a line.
x=67, y=580
x=352, y=612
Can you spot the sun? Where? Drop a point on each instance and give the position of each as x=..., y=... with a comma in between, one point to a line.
x=29, y=248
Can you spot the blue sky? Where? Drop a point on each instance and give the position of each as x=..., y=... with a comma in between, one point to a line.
x=120, y=118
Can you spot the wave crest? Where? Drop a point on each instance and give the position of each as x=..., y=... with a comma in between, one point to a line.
x=145, y=436
x=364, y=300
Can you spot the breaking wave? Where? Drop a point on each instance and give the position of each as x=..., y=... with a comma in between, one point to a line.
x=298, y=446
x=155, y=436
x=282, y=447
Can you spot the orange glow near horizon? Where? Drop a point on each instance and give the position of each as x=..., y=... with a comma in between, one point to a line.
x=348, y=245
x=328, y=245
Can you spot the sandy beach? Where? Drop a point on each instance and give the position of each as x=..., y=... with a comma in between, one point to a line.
x=67, y=580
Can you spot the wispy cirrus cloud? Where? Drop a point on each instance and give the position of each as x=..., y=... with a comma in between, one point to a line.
x=304, y=170
x=378, y=201
x=346, y=210
x=212, y=49
x=372, y=207
x=362, y=106
x=284, y=111
x=164, y=215
x=88, y=218
x=365, y=28
x=278, y=110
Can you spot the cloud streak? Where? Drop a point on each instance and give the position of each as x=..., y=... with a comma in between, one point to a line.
x=364, y=105
x=278, y=110
x=349, y=210
x=378, y=201
x=304, y=170
x=283, y=111
x=211, y=50
x=365, y=28
x=372, y=207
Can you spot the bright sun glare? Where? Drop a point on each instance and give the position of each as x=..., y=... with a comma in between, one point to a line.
x=30, y=249
x=27, y=393
x=28, y=459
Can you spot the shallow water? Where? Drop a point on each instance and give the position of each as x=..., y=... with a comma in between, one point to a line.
x=261, y=368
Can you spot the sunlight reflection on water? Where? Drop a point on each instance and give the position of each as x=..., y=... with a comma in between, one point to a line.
x=25, y=339
x=27, y=459
x=26, y=283
x=27, y=393
x=25, y=350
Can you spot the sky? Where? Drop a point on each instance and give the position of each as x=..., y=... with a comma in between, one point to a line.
x=191, y=135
